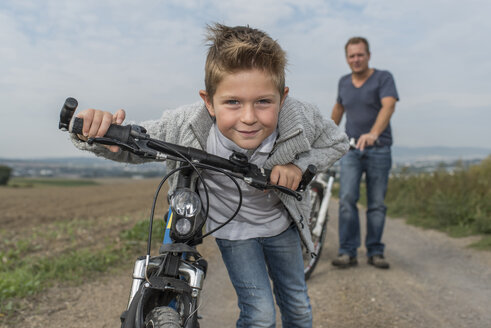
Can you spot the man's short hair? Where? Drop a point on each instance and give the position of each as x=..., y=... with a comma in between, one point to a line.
x=232, y=49
x=356, y=40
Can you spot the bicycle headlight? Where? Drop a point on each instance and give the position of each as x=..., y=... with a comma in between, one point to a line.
x=186, y=203
x=183, y=226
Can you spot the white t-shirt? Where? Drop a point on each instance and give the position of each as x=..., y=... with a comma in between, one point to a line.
x=261, y=215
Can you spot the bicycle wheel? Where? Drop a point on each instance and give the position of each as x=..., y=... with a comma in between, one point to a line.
x=162, y=317
x=316, y=195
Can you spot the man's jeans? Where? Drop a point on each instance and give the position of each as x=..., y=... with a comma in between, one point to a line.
x=375, y=162
x=250, y=261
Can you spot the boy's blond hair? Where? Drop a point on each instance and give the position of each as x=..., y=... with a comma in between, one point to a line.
x=232, y=49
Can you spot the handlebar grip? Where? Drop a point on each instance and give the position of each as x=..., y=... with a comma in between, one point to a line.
x=76, y=125
x=354, y=141
x=66, y=113
x=117, y=132
x=307, y=176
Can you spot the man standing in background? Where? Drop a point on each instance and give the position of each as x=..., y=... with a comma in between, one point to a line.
x=368, y=97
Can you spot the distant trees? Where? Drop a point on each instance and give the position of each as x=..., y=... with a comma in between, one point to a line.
x=4, y=174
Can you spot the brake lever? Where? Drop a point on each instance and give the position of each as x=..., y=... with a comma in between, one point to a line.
x=258, y=179
x=139, y=147
x=287, y=191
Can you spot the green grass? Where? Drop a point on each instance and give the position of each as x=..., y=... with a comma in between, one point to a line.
x=30, y=276
x=483, y=244
x=139, y=232
x=457, y=203
x=43, y=182
x=22, y=275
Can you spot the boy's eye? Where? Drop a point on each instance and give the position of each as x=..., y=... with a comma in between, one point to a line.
x=264, y=101
x=232, y=102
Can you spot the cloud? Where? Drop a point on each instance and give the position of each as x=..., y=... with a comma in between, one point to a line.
x=148, y=56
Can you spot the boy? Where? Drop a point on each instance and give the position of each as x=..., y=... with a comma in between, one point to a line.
x=246, y=108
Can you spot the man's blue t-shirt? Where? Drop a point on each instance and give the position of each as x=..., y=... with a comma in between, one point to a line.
x=363, y=104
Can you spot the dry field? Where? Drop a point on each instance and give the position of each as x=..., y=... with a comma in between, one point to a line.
x=56, y=218
x=25, y=207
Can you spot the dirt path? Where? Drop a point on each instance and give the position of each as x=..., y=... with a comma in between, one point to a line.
x=434, y=281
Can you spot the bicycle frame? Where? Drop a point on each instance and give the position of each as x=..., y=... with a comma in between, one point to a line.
x=171, y=279
x=193, y=275
x=320, y=195
x=321, y=178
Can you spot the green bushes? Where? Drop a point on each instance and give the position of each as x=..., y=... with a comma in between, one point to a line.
x=4, y=174
x=457, y=202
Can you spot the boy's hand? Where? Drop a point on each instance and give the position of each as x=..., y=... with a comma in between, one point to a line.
x=97, y=122
x=286, y=175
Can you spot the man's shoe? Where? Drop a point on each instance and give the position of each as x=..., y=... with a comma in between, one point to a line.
x=344, y=261
x=378, y=261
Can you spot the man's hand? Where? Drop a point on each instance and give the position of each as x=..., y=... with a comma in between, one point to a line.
x=383, y=118
x=286, y=175
x=97, y=122
x=365, y=140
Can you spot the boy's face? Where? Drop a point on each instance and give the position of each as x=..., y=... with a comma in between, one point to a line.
x=246, y=106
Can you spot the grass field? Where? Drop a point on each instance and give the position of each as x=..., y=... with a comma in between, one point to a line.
x=455, y=202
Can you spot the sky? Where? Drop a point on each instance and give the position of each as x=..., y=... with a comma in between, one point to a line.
x=147, y=56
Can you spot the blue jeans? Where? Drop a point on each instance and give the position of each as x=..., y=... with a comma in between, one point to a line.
x=375, y=162
x=250, y=264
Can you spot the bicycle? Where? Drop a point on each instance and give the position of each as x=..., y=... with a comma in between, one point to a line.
x=166, y=288
x=320, y=194
x=320, y=190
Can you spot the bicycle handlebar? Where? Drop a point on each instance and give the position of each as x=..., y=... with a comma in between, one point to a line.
x=135, y=139
x=117, y=132
x=354, y=141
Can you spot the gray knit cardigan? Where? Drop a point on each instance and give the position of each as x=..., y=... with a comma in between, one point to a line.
x=304, y=137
